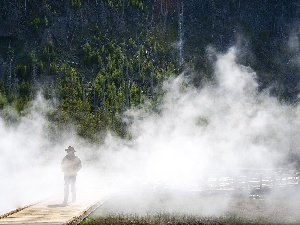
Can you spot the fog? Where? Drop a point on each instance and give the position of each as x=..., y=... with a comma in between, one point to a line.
x=219, y=130
x=222, y=128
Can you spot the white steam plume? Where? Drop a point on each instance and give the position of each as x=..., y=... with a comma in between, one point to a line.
x=220, y=130
x=29, y=158
x=225, y=127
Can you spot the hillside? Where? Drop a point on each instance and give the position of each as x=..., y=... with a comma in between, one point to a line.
x=101, y=57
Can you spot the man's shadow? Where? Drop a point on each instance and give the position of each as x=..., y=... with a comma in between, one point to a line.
x=57, y=205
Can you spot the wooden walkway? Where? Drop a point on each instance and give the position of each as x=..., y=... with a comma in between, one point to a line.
x=51, y=212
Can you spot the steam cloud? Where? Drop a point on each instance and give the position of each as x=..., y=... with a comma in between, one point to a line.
x=226, y=126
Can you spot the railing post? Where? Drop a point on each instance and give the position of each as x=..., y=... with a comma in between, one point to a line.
x=260, y=181
x=274, y=180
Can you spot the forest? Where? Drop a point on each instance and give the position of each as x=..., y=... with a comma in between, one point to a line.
x=95, y=59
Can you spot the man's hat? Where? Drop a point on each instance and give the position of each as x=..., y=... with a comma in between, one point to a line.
x=70, y=148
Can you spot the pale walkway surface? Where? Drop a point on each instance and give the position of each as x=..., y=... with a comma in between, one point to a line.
x=52, y=212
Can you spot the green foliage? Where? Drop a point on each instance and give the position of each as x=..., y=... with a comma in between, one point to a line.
x=75, y=3
x=20, y=104
x=3, y=101
x=36, y=23
x=22, y=72
x=91, y=57
x=96, y=73
x=48, y=53
x=70, y=89
x=25, y=89
x=46, y=21
x=117, y=5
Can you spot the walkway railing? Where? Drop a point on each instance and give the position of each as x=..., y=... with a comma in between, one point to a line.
x=255, y=179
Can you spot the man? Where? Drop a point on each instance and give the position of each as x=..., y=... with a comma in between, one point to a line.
x=70, y=165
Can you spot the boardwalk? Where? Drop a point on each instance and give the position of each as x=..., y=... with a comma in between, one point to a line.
x=51, y=212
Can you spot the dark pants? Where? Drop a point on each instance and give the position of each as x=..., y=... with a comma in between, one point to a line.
x=70, y=181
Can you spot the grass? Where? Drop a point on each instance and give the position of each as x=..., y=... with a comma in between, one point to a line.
x=160, y=207
x=166, y=218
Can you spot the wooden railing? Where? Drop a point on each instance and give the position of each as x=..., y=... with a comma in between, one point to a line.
x=255, y=179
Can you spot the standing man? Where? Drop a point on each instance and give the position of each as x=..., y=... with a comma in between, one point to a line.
x=70, y=165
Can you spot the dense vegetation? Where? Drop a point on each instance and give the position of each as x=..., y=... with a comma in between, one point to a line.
x=99, y=58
